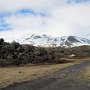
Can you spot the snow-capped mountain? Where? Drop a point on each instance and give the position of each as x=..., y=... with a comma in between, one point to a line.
x=50, y=41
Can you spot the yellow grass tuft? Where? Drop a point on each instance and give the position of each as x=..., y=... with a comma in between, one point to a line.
x=86, y=73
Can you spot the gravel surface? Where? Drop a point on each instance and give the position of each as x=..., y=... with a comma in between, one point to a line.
x=63, y=79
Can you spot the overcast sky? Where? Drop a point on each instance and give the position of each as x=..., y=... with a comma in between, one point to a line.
x=54, y=17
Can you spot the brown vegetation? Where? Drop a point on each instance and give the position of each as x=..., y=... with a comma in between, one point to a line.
x=16, y=54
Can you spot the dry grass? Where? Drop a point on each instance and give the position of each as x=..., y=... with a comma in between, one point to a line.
x=85, y=74
x=19, y=74
x=12, y=75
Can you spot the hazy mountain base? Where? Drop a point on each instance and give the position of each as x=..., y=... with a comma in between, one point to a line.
x=16, y=54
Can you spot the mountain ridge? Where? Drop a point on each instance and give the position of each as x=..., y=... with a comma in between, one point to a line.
x=44, y=40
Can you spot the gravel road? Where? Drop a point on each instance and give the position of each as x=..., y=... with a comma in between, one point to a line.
x=64, y=79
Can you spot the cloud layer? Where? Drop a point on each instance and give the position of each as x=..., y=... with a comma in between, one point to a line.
x=54, y=17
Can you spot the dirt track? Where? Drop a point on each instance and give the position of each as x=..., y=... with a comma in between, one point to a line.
x=65, y=79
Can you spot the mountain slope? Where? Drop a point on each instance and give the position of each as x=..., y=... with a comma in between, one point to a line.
x=50, y=41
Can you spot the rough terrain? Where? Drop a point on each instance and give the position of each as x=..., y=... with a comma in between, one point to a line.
x=70, y=78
